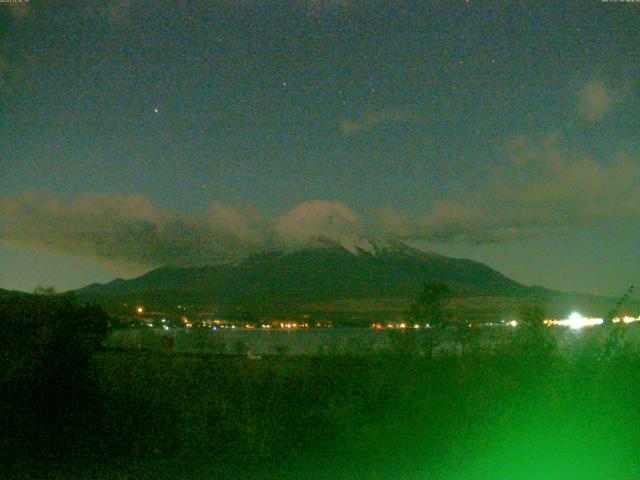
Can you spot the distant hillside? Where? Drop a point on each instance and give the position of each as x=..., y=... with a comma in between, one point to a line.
x=329, y=272
x=5, y=294
x=329, y=277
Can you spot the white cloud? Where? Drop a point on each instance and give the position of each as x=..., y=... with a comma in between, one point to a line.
x=129, y=230
x=594, y=101
x=376, y=119
x=241, y=223
x=126, y=229
x=348, y=126
x=543, y=190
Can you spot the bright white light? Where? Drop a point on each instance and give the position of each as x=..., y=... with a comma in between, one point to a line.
x=576, y=321
x=512, y=323
x=166, y=327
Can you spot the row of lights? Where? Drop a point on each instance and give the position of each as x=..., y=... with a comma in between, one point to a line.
x=380, y=326
x=574, y=321
x=626, y=319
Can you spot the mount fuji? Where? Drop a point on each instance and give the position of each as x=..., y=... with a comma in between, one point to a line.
x=326, y=257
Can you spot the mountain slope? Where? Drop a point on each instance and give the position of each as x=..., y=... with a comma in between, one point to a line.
x=374, y=277
x=328, y=272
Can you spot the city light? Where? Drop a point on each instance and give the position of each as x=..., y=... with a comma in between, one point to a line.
x=140, y=309
x=576, y=321
x=626, y=319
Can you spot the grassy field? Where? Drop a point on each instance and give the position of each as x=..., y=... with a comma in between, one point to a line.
x=498, y=415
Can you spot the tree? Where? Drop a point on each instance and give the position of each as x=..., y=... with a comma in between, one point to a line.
x=532, y=337
x=532, y=317
x=614, y=331
x=55, y=337
x=40, y=290
x=429, y=309
x=430, y=306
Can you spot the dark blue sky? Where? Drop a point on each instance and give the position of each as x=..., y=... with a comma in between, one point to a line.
x=498, y=131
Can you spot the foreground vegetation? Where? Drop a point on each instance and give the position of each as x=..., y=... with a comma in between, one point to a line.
x=70, y=410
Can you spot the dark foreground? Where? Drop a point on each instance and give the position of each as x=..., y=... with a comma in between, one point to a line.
x=167, y=416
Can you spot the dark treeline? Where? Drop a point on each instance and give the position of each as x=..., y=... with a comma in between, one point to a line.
x=72, y=410
x=47, y=390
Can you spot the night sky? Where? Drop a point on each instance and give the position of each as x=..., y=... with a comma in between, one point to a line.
x=137, y=133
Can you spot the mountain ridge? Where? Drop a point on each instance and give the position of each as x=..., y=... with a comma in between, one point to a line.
x=329, y=271
x=325, y=276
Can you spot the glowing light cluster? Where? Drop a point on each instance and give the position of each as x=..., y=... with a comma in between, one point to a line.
x=626, y=319
x=576, y=321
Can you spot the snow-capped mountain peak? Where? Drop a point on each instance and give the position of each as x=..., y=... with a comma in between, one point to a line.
x=320, y=223
x=316, y=218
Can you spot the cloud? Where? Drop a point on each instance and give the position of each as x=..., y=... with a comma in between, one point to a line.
x=540, y=188
x=594, y=101
x=243, y=224
x=128, y=229
x=373, y=120
x=347, y=126
x=543, y=189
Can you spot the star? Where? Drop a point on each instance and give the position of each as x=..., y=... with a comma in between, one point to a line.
x=156, y=110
